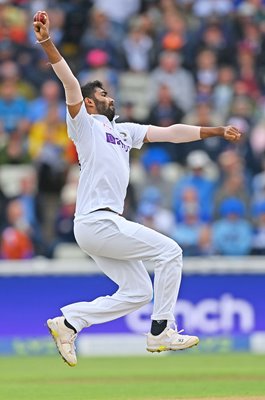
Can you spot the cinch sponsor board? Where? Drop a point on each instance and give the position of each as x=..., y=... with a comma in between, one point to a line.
x=208, y=304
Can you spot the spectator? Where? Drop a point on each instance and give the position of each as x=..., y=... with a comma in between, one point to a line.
x=206, y=8
x=32, y=209
x=257, y=139
x=178, y=79
x=100, y=34
x=165, y=111
x=247, y=70
x=223, y=91
x=190, y=206
x=13, y=150
x=64, y=216
x=57, y=22
x=232, y=233
x=168, y=6
x=34, y=67
x=153, y=160
x=206, y=67
x=175, y=35
x=49, y=99
x=3, y=203
x=151, y=213
x=230, y=161
x=16, y=243
x=13, y=23
x=9, y=71
x=47, y=145
x=97, y=68
x=75, y=22
x=118, y=11
x=70, y=153
x=252, y=38
x=155, y=218
x=13, y=108
x=214, y=39
x=258, y=243
x=127, y=112
x=233, y=185
x=137, y=48
x=197, y=162
x=258, y=184
x=188, y=232
x=64, y=219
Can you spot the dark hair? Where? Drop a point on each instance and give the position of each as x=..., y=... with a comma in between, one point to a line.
x=89, y=89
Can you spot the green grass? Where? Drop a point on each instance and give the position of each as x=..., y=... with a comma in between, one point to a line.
x=178, y=376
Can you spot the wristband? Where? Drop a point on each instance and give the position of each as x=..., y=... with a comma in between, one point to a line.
x=43, y=41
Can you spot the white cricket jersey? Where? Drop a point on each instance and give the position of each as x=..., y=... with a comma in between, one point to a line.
x=103, y=149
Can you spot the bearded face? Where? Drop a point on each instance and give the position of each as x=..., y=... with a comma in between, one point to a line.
x=105, y=107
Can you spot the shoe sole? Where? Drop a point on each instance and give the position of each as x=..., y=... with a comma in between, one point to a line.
x=55, y=335
x=165, y=348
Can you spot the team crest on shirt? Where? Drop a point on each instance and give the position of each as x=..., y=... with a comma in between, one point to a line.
x=117, y=141
x=124, y=136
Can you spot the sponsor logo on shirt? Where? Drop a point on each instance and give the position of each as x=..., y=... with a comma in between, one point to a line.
x=114, y=140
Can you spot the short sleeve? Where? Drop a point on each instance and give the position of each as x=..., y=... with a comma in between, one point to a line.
x=79, y=125
x=137, y=133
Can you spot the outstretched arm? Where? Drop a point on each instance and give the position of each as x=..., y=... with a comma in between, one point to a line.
x=180, y=133
x=71, y=85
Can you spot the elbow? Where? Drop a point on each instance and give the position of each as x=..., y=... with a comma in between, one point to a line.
x=73, y=85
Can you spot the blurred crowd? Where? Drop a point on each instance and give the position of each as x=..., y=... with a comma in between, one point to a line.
x=164, y=61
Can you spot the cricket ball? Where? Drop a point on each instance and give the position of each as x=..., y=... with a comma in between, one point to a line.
x=40, y=16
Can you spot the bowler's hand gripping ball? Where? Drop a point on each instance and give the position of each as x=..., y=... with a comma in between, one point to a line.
x=40, y=16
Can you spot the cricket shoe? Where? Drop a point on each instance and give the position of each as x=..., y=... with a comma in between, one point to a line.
x=170, y=339
x=64, y=339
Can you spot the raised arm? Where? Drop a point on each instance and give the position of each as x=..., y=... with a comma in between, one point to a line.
x=180, y=133
x=71, y=85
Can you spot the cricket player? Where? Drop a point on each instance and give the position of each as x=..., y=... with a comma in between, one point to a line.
x=119, y=247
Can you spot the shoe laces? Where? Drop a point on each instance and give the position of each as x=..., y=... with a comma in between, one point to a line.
x=177, y=333
x=175, y=328
x=72, y=340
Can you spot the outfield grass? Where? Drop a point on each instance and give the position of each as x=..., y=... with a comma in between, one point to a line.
x=178, y=376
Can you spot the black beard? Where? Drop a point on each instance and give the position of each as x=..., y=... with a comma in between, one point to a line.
x=102, y=109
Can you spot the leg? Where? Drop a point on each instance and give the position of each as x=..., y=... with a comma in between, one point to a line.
x=118, y=245
x=135, y=290
x=116, y=238
x=105, y=234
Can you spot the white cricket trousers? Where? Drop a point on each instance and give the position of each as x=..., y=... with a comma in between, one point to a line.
x=119, y=247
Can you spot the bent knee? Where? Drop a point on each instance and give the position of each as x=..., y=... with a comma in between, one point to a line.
x=177, y=251
x=171, y=256
x=173, y=252
x=144, y=297
x=148, y=296
x=141, y=296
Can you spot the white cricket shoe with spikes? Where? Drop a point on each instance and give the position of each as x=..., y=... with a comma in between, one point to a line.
x=64, y=339
x=170, y=339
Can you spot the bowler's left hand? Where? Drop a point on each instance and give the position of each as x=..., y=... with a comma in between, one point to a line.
x=231, y=134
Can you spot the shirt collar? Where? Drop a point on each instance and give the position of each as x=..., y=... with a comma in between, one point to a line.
x=103, y=118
